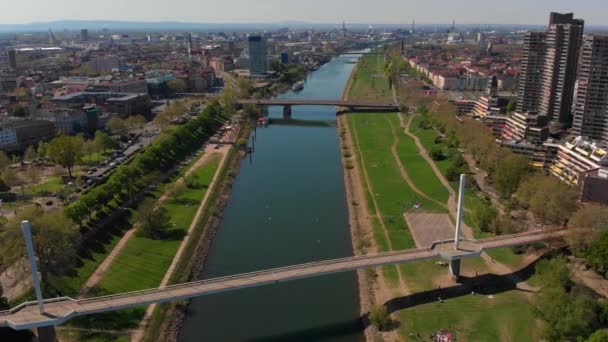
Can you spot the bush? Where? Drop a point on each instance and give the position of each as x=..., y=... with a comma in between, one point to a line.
x=8, y=196
x=436, y=153
x=379, y=317
x=241, y=142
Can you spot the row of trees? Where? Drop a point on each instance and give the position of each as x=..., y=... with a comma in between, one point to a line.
x=159, y=157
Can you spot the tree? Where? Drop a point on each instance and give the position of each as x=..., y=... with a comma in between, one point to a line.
x=511, y=106
x=103, y=141
x=598, y=336
x=597, y=253
x=177, y=189
x=5, y=161
x=379, y=317
x=484, y=215
x=30, y=154
x=509, y=172
x=436, y=153
x=228, y=100
x=549, y=199
x=19, y=111
x=66, y=151
x=136, y=121
x=177, y=85
x=117, y=125
x=54, y=241
x=568, y=311
x=588, y=222
x=153, y=221
x=11, y=178
x=43, y=149
x=245, y=87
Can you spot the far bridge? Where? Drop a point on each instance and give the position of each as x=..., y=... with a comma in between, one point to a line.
x=351, y=105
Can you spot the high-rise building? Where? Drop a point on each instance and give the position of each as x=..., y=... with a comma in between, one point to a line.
x=258, y=60
x=12, y=58
x=591, y=95
x=549, y=66
x=84, y=35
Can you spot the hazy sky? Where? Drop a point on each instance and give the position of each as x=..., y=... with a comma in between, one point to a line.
x=326, y=11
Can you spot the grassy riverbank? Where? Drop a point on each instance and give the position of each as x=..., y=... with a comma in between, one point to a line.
x=500, y=314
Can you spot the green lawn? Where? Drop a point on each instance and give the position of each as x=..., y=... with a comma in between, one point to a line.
x=418, y=168
x=144, y=261
x=503, y=317
x=93, y=158
x=368, y=82
x=52, y=185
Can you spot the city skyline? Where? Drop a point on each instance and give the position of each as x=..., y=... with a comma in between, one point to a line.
x=314, y=11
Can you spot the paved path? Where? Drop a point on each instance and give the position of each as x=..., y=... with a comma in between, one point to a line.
x=59, y=310
x=139, y=333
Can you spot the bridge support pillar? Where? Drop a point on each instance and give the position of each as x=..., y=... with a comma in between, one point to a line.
x=455, y=269
x=46, y=334
x=287, y=111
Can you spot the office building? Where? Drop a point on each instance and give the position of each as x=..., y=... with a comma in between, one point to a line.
x=84, y=35
x=549, y=65
x=258, y=60
x=12, y=58
x=591, y=96
x=18, y=135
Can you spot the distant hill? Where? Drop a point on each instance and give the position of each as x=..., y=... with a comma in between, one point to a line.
x=95, y=25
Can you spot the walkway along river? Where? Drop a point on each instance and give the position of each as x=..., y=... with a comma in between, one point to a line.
x=287, y=207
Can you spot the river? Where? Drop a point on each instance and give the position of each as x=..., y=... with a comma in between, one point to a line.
x=288, y=206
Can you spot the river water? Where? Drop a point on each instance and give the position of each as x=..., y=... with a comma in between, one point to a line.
x=288, y=206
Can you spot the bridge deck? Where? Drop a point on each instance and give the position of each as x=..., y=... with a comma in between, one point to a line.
x=59, y=310
x=319, y=102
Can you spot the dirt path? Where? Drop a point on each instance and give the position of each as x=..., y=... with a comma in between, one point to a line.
x=138, y=334
x=109, y=260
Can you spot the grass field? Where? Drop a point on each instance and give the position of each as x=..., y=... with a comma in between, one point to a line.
x=503, y=317
x=418, y=168
x=144, y=261
x=369, y=82
x=506, y=316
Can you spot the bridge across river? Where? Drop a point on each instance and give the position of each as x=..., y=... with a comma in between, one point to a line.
x=59, y=310
x=350, y=104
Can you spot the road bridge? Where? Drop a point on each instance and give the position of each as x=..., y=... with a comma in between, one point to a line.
x=56, y=311
x=350, y=104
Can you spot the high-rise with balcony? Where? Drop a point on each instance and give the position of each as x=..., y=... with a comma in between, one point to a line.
x=549, y=66
x=258, y=56
x=591, y=95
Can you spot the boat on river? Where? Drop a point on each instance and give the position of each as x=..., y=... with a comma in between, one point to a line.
x=298, y=86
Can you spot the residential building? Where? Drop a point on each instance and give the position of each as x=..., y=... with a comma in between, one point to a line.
x=591, y=96
x=531, y=127
x=594, y=186
x=105, y=64
x=68, y=121
x=576, y=157
x=491, y=103
x=18, y=135
x=258, y=55
x=549, y=66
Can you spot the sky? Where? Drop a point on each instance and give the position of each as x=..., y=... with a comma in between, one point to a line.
x=320, y=11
